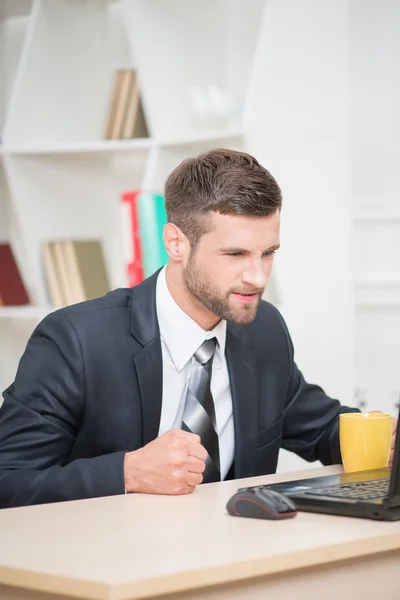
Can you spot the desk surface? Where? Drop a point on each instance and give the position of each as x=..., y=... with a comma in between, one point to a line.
x=137, y=546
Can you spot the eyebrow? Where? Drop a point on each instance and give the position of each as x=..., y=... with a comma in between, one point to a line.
x=234, y=250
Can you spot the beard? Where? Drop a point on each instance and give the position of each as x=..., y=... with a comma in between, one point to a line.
x=209, y=295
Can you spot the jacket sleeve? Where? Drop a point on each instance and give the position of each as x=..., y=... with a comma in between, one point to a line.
x=39, y=420
x=311, y=422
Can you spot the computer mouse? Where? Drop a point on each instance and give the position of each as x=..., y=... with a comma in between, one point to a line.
x=261, y=503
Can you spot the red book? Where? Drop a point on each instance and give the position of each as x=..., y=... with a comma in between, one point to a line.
x=135, y=266
x=12, y=289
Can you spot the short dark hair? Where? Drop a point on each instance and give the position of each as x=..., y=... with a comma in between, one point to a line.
x=224, y=181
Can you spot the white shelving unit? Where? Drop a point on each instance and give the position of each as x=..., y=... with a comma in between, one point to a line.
x=270, y=77
x=58, y=177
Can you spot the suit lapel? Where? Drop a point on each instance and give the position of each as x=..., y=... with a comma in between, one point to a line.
x=148, y=365
x=148, y=362
x=242, y=376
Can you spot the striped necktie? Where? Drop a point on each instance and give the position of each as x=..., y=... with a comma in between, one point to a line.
x=199, y=411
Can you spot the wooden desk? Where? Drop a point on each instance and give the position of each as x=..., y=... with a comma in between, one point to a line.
x=139, y=546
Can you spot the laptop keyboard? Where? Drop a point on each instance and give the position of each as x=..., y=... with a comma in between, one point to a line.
x=362, y=490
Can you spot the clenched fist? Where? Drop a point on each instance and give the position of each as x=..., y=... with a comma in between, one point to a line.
x=171, y=464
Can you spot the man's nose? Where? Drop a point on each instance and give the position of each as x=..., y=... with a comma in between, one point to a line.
x=256, y=276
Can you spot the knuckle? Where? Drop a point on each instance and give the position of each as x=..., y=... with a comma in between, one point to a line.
x=175, y=434
x=171, y=433
x=181, y=488
x=204, y=453
x=178, y=443
x=190, y=437
x=176, y=476
x=178, y=460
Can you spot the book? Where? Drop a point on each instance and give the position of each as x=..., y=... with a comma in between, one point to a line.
x=87, y=275
x=134, y=264
x=75, y=271
x=152, y=218
x=125, y=119
x=131, y=110
x=140, y=129
x=135, y=125
x=125, y=92
x=113, y=104
x=161, y=220
x=63, y=273
x=12, y=288
x=52, y=276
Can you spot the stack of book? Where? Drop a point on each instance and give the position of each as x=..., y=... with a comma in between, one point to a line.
x=125, y=119
x=12, y=288
x=75, y=271
x=145, y=226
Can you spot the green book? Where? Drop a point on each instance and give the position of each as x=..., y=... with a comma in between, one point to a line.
x=152, y=218
x=161, y=219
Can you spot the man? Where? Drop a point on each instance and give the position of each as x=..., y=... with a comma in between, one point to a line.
x=187, y=377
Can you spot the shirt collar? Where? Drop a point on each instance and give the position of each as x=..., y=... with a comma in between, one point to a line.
x=180, y=333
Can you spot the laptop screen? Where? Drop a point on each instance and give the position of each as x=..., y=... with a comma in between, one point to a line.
x=394, y=493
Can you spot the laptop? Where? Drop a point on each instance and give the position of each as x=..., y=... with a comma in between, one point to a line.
x=368, y=494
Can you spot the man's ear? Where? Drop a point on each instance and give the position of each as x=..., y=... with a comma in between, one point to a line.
x=175, y=241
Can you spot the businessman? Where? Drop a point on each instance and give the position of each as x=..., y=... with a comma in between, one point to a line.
x=188, y=377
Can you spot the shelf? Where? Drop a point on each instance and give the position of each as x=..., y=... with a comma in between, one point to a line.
x=209, y=136
x=378, y=285
x=98, y=147
x=24, y=312
x=383, y=295
x=374, y=217
x=115, y=146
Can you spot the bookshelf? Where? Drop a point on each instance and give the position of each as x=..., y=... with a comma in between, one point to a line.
x=59, y=177
x=211, y=73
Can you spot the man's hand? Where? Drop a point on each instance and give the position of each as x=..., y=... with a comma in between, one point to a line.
x=171, y=464
x=394, y=433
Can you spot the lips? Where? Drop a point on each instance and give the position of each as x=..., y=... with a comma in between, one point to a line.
x=247, y=297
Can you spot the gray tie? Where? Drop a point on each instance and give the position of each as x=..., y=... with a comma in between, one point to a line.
x=199, y=411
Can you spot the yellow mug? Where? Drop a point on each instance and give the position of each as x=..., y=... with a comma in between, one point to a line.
x=365, y=440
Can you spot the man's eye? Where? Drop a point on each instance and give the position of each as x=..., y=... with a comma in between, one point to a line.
x=269, y=252
x=234, y=254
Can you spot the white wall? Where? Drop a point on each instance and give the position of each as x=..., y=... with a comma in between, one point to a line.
x=297, y=124
x=375, y=137
x=323, y=116
x=298, y=127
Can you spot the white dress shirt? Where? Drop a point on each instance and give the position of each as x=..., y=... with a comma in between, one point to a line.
x=180, y=339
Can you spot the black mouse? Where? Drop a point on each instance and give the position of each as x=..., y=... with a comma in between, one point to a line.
x=261, y=503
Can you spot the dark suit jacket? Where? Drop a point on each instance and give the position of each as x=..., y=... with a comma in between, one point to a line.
x=89, y=388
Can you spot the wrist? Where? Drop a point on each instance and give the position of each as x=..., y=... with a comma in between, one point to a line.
x=131, y=479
